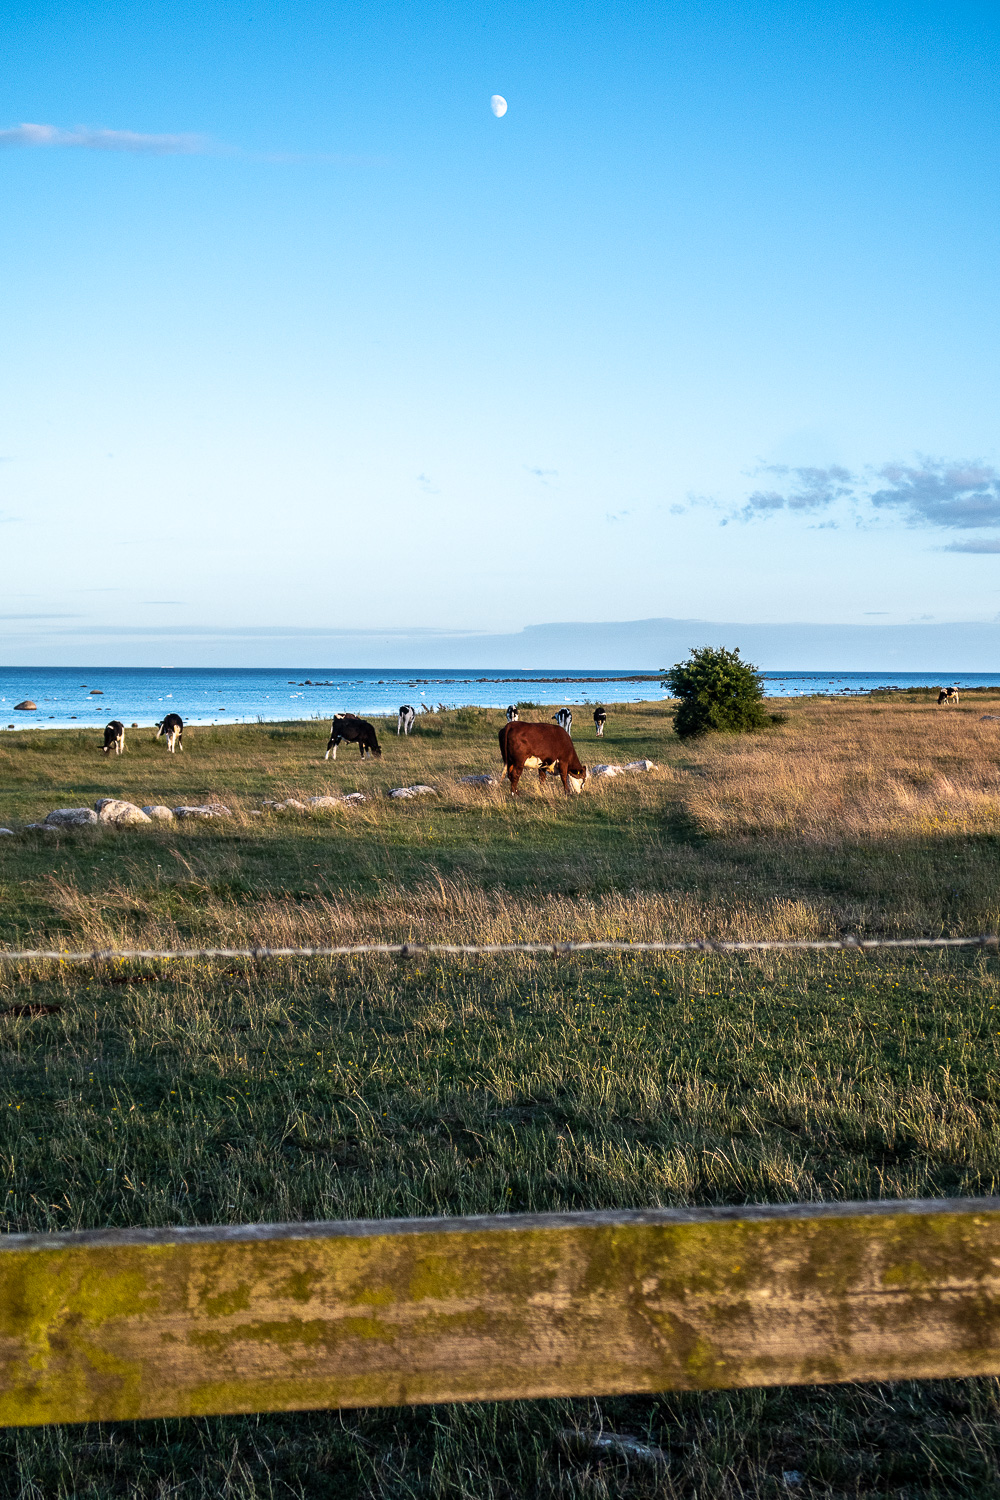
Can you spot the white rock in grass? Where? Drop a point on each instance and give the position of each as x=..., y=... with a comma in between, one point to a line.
x=988, y=716
x=159, y=814
x=479, y=780
x=639, y=765
x=355, y=797
x=413, y=791
x=6, y=832
x=110, y=810
x=606, y=770
x=68, y=817
x=324, y=801
x=208, y=810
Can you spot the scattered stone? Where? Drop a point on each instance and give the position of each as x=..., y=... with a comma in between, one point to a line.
x=613, y=1444
x=484, y=780
x=68, y=817
x=355, y=797
x=159, y=814
x=208, y=810
x=256, y=813
x=325, y=801
x=792, y=1478
x=6, y=832
x=292, y=805
x=412, y=791
x=26, y=705
x=111, y=810
x=989, y=716
x=606, y=770
x=639, y=765
x=96, y=693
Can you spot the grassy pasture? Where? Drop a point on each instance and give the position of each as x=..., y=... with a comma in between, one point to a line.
x=195, y=1093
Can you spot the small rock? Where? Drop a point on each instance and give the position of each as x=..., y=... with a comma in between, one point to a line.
x=68, y=817
x=111, y=810
x=479, y=780
x=96, y=693
x=26, y=705
x=639, y=765
x=324, y=801
x=159, y=814
x=988, y=716
x=6, y=832
x=412, y=791
x=606, y=770
x=208, y=810
x=792, y=1478
x=256, y=813
x=355, y=797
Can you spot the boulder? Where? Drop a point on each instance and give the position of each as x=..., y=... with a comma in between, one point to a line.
x=159, y=814
x=294, y=806
x=208, y=810
x=640, y=765
x=484, y=780
x=355, y=797
x=111, y=810
x=412, y=791
x=68, y=817
x=606, y=770
x=6, y=833
x=25, y=706
x=325, y=801
x=989, y=716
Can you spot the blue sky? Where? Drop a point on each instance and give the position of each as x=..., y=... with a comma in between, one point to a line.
x=296, y=333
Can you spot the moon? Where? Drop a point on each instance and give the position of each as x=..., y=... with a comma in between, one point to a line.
x=498, y=105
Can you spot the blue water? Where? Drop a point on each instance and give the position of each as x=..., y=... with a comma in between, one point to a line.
x=241, y=695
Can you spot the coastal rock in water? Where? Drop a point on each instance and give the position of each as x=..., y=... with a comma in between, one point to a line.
x=68, y=817
x=413, y=791
x=159, y=814
x=111, y=810
x=484, y=780
x=208, y=810
x=25, y=706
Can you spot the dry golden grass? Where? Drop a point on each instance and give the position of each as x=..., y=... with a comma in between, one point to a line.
x=853, y=770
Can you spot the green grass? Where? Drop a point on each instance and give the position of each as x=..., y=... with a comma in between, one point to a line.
x=200, y=1093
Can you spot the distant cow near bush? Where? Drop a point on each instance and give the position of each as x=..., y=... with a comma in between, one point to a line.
x=356, y=732
x=511, y=713
x=545, y=746
x=114, y=737
x=947, y=695
x=407, y=714
x=171, y=728
x=564, y=718
x=600, y=719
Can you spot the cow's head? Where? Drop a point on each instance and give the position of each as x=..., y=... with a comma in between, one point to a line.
x=577, y=778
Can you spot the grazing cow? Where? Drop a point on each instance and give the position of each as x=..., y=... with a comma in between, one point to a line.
x=172, y=727
x=114, y=737
x=356, y=732
x=525, y=746
x=600, y=719
x=511, y=713
x=406, y=718
x=564, y=718
x=948, y=695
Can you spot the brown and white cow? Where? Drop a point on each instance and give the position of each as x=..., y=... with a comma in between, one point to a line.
x=948, y=695
x=525, y=746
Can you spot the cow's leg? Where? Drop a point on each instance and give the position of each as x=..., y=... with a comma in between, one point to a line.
x=564, y=773
x=514, y=772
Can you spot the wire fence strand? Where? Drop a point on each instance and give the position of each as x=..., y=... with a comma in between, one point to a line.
x=848, y=942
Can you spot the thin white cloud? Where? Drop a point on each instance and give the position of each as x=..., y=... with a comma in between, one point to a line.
x=85, y=138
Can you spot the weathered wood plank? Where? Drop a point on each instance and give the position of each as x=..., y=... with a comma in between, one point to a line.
x=111, y=1325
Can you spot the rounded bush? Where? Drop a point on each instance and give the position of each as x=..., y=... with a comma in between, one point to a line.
x=718, y=691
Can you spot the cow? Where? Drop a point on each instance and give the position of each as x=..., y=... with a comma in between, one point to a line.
x=525, y=746
x=600, y=719
x=511, y=713
x=356, y=732
x=564, y=718
x=172, y=728
x=114, y=737
x=407, y=714
x=947, y=695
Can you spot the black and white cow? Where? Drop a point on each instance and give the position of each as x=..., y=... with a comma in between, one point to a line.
x=356, y=732
x=564, y=718
x=600, y=719
x=172, y=727
x=114, y=737
x=407, y=714
x=511, y=713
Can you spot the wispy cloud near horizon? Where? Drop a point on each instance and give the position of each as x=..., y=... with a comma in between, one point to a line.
x=86, y=138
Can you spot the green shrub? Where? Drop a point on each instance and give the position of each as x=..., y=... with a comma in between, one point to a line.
x=717, y=691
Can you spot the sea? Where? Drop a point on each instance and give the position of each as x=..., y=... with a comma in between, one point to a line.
x=250, y=695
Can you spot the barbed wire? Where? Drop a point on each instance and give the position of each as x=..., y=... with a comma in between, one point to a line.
x=848, y=942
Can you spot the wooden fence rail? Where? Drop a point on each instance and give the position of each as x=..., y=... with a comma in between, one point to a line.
x=114, y=1324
